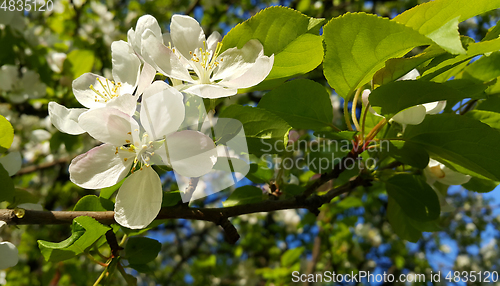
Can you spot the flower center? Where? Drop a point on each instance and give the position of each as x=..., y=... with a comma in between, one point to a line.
x=106, y=91
x=143, y=150
x=436, y=171
x=206, y=60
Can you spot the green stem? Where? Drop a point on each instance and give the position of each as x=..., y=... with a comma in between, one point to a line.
x=353, y=109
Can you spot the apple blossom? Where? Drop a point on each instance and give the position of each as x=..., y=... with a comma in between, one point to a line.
x=94, y=91
x=198, y=62
x=413, y=115
x=130, y=145
x=436, y=171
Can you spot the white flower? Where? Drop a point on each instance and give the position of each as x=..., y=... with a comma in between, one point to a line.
x=436, y=171
x=56, y=61
x=9, y=255
x=20, y=85
x=197, y=61
x=128, y=145
x=413, y=115
x=94, y=91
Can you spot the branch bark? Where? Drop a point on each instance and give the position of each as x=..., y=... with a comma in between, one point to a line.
x=219, y=216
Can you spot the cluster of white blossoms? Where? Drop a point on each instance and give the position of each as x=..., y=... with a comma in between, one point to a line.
x=139, y=120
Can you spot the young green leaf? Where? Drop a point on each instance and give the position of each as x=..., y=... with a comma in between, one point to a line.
x=439, y=19
x=400, y=222
x=416, y=198
x=6, y=134
x=303, y=103
x=7, y=189
x=85, y=231
x=357, y=46
x=141, y=250
x=243, y=195
x=465, y=143
x=94, y=203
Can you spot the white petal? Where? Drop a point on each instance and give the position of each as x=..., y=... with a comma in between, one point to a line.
x=187, y=34
x=100, y=167
x=253, y=76
x=12, y=162
x=9, y=256
x=236, y=61
x=364, y=97
x=411, y=75
x=65, y=120
x=210, y=90
x=435, y=107
x=162, y=110
x=191, y=153
x=146, y=22
x=126, y=103
x=212, y=41
x=108, y=125
x=147, y=76
x=162, y=58
x=82, y=91
x=126, y=65
x=413, y=115
x=139, y=199
x=453, y=178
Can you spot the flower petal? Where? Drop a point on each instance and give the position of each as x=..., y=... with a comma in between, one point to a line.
x=236, y=61
x=100, y=167
x=453, y=178
x=365, y=98
x=413, y=115
x=147, y=76
x=411, y=75
x=162, y=58
x=435, y=107
x=108, y=125
x=126, y=65
x=82, y=91
x=162, y=110
x=187, y=34
x=146, y=22
x=190, y=153
x=9, y=256
x=212, y=41
x=253, y=76
x=126, y=103
x=12, y=162
x=210, y=90
x=139, y=199
x=64, y=119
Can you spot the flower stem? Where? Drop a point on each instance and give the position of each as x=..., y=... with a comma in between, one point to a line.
x=346, y=116
x=353, y=109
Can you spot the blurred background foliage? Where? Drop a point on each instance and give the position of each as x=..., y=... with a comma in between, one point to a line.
x=41, y=53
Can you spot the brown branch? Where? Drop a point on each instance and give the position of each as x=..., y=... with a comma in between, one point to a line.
x=218, y=216
x=34, y=168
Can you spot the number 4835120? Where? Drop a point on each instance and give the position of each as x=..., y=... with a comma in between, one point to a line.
x=27, y=5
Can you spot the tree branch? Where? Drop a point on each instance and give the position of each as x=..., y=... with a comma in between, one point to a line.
x=218, y=216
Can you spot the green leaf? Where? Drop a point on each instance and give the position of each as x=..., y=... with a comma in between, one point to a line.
x=399, y=95
x=439, y=19
x=243, y=195
x=85, y=231
x=357, y=46
x=342, y=135
x=288, y=34
x=292, y=190
x=264, y=131
x=487, y=117
x=473, y=50
x=396, y=68
x=79, y=62
x=325, y=155
x=491, y=104
x=7, y=189
x=493, y=33
x=94, y=203
x=106, y=193
x=6, y=134
x=291, y=256
x=400, y=222
x=303, y=103
x=416, y=198
x=23, y=196
x=408, y=153
x=480, y=185
x=260, y=172
x=461, y=140
x=141, y=250
x=171, y=198
x=350, y=202
x=485, y=69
